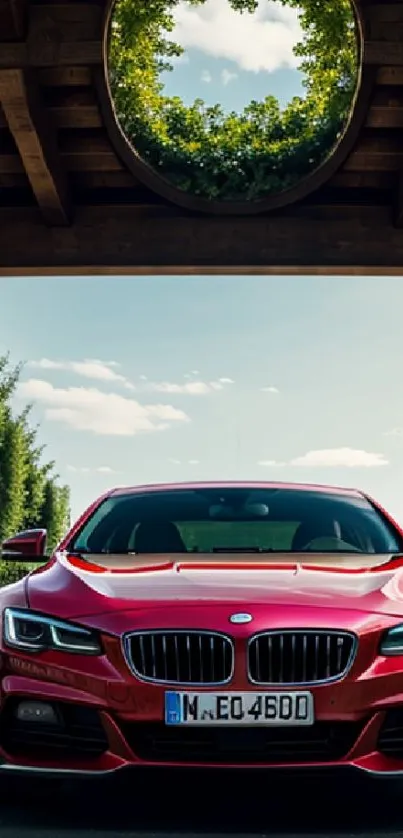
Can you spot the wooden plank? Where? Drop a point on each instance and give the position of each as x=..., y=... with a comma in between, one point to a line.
x=13, y=19
x=383, y=52
x=383, y=153
x=362, y=180
x=386, y=116
x=387, y=32
x=384, y=13
x=10, y=164
x=74, y=160
x=376, y=162
x=74, y=110
x=66, y=21
x=390, y=76
x=50, y=54
x=16, y=181
x=103, y=180
x=113, y=240
x=398, y=216
x=59, y=34
x=65, y=77
x=31, y=128
x=88, y=153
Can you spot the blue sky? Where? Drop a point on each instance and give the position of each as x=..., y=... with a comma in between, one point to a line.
x=231, y=58
x=315, y=364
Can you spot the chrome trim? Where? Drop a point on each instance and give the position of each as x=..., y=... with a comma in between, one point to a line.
x=269, y=633
x=125, y=641
x=301, y=768
x=391, y=653
x=304, y=769
x=240, y=619
x=64, y=772
x=379, y=774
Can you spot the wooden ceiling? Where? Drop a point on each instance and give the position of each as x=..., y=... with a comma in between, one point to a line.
x=70, y=202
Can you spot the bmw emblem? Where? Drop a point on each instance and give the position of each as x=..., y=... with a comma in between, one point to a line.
x=240, y=619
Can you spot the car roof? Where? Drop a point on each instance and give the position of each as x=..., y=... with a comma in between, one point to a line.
x=236, y=484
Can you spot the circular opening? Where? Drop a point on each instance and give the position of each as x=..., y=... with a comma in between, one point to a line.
x=232, y=102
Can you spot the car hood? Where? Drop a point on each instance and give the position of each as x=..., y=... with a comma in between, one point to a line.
x=71, y=588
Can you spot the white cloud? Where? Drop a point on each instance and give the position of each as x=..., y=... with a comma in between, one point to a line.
x=340, y=458
x=88, y=368
x=206, y=77
x=394, y=432
x=254, y=42
x=187, y=462
x=269, y=390
x=271, y=463
x=189, y=387
x=89, y=409
x=227, y=76
x=88, y=470
x=334, y=458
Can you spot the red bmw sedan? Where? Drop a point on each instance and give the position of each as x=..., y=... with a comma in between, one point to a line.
x=216, y=625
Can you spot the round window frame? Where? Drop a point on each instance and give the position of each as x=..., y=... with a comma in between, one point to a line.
x=157, y=183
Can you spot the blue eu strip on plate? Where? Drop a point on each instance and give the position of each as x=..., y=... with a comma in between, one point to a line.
x=173, y=709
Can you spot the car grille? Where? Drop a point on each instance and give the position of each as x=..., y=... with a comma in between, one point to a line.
x=300, y=657
x=390, y=738
x=180, y=657
x=79, y=733
x=322, y=742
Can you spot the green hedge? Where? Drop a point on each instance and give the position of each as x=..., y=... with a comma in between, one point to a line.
x=236, y=156
x=13, y=571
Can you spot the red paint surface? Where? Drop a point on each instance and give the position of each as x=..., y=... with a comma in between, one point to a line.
x=178, y=593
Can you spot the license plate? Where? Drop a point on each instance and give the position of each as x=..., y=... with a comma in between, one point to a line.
x=235, y=708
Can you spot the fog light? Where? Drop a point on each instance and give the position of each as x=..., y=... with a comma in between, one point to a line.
x=36, y=711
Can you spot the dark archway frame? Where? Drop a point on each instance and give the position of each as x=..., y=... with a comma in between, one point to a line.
x=310, y=183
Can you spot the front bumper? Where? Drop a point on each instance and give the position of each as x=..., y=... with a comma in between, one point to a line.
x=113, y=722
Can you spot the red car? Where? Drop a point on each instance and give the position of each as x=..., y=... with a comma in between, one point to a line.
x=207, y=625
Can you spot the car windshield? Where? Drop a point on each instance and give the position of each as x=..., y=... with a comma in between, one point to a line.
x=222, y=520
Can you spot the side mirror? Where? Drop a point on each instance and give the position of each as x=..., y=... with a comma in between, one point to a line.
x=27, y=546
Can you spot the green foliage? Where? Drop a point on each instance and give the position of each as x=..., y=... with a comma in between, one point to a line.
x=245, y=156
x=54, y=515
x=30, y=495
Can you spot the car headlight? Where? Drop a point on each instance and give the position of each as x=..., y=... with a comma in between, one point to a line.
x=23, y=629
x=392, y=642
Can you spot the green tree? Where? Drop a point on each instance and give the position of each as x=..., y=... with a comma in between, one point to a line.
x=30, y=495
x=246, y=156
x=54, y=515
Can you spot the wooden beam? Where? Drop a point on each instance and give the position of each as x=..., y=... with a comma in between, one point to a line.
x=74, y=77
x=35, y=138
x=390, y=76
x=399, y=202
x=119, y=240
x=71, y=110
x=383, y=52
x=14, y=56
x=68, y=53
x=60, y=34
x=13, y=19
